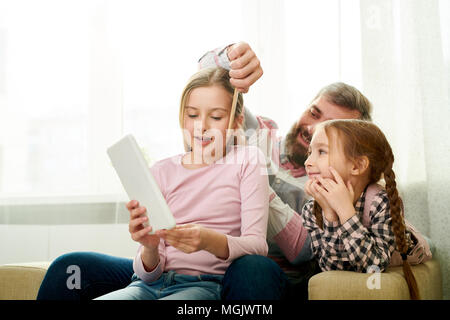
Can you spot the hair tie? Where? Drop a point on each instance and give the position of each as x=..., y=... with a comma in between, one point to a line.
x=404, y=256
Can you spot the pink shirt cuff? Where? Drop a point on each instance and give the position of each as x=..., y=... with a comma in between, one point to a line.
x=239, y=246
x=138, y=267
x=292, y=238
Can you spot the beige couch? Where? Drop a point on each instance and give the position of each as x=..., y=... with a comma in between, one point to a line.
x=22, y=281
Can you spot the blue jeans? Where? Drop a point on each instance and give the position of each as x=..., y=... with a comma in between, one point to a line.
x=170, y=286
x=247, y=278
x=99, y=275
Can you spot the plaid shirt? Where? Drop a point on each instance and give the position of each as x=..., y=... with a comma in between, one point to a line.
x=351, y=246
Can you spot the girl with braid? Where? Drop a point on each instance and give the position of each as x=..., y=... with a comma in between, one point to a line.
x=344, y=158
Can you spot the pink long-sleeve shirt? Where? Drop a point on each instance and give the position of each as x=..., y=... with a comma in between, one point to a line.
x=229, y=196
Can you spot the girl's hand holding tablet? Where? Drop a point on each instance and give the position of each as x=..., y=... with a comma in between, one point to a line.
x=138, y=232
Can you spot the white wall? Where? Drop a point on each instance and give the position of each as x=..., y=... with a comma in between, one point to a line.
x=27, y=243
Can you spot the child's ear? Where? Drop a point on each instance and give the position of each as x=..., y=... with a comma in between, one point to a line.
x=360, y=166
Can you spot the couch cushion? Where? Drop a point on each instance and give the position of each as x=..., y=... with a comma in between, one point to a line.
x=21, y=281
x=347, y=285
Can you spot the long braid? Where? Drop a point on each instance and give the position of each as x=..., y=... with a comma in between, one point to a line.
x=398, y=226
x=317, y=211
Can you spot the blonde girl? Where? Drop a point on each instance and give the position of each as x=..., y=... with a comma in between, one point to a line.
x=221, y=208
x=344, y=158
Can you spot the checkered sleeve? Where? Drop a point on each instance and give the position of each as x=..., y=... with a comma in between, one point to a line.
x=372, y=246
x=215, y=58
x=325, y=243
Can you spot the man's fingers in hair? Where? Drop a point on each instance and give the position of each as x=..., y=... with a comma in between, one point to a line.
x=244, y=66
x=238, y=50
x=248, y=81
x=243, y=60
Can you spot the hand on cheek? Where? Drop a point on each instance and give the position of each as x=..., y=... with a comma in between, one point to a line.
x=339, y=195
x=314, y=188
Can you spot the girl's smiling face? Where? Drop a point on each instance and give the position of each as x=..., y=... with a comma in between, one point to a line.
x=206, y=118
x=320, y=159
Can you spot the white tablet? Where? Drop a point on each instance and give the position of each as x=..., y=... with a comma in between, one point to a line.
x=139, y=183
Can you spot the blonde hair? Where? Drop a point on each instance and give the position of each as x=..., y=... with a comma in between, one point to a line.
x=362, y=138
x=206, y=78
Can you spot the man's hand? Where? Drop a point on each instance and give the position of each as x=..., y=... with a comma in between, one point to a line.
x=245, y=66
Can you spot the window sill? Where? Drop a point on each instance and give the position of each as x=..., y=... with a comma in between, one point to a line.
x=57, y=210
x=21, y=200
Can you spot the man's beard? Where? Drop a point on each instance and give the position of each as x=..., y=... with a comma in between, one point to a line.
x=295, y=152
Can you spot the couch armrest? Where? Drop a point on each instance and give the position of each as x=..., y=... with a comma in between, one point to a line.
x=348, y=285
x=21, y=281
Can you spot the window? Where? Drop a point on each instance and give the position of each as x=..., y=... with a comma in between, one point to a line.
x=77, y=75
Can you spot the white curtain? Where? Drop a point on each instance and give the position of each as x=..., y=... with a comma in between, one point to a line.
x=303, y=45
x=77, y=75
x=406, y=74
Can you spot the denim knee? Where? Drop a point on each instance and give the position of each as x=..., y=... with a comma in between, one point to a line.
x=93, y=274
x=254, y=277
x=59, y=266
x=53, y=286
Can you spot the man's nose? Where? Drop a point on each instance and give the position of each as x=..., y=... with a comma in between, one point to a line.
x=310, y=128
